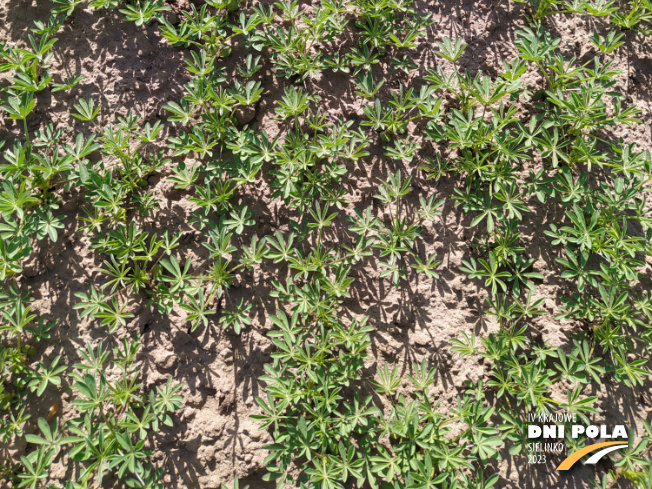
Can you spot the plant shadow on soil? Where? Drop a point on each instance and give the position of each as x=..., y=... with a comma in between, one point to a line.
x=130, y=67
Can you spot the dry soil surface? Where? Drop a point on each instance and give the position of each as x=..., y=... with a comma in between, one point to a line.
x=213, y=440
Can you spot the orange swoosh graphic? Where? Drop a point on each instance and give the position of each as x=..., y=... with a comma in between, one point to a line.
x=575, y=456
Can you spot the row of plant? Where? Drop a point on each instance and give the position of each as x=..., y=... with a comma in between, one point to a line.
x=510, y=146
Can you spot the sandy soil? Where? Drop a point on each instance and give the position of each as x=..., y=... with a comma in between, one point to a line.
x=213, y=439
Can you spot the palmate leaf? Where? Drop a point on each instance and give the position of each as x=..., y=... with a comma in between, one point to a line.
x=580, y=406
x=165, y=401
x=254, y=254
x=220, y=245
x=293, y=103
x=201, y=63
x=366, y=86
x=15, y=200
x=88, y=387
x=520, y=276
x=627, y=115
x=450, y=52
x=20, y=107
x=423, y=377
x=139, y=423
x=338, y=285
x=184, y=176
x=487, y=211
x=86, y=110
x=44, y=376
x=93, y=358
x=583, y=233
x=430, y=208
x=273, y=412
x=349, y=464
x=403, y=150
x=91, y=303
x=451, y=459
x=143, y=12
x=281, y=249
x=82, y=147
x=47, y=225
x=491, y=274
x=238, y=219
x=377, y=117
x=393, y=270
x=66, y=6
x=24, y=83
x=570, y=369
x=385, y=464
x=631, y=373
x=237, y=317
x=530, y=309
x=325, y=474
x=112, y=314
x=248, y=94
x=466, y=346
x=534, y=46
x=288, y=327
x=68, y=83
x=591, y=365
x=148, y=478
x=395, y=187
x=428, y=267
x=611, y=42
x=633, y=456
x=320, y=217
x=485, y=446
x=128, y=458
x=12, y=251
x=179, y=279
x=363, y=222
x=118, y=271
x=51, y=438
x=198, y=311
x=16, y=319
x=36, y=466
x=387, y=382
x=183, y=112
